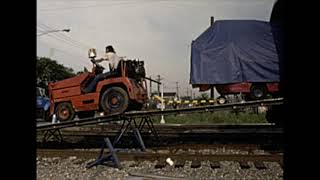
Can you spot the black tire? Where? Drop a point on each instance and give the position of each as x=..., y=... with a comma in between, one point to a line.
x=46, y=115
x=114, y=100
x=85, y=114
x=64, y=112
x=258, y=91
x=221, y=100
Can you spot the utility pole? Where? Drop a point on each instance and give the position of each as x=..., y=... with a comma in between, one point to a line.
x=159, y=79
x=162, y=121
x=187, y=92
x=177, y=89
x=212, y=87
x=150, y=88
x=51, y=53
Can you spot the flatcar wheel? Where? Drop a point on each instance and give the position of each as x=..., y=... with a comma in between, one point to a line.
x=64, y=112
x=258, y=92
x=221, y=100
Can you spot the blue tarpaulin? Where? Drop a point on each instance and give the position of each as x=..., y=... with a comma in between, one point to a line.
x=233, y=51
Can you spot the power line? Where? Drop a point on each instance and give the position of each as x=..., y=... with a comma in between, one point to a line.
x=70, y=54
x=63, y=36
x=55, y=36
x=90, y=6
x=69, y=39
x=66, y=37
x=65, y=41
x=190, y=3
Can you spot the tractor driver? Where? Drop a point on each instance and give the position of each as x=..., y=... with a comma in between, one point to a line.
x=113, y=59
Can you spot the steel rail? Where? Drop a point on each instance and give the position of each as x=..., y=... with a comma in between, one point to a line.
x=142, y=156
x=136, y=114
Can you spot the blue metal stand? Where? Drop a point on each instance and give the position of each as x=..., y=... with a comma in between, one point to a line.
x=147, y=120
x=102, y=160
x=128, y=124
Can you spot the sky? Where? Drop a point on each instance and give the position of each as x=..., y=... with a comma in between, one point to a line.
x=159, y=32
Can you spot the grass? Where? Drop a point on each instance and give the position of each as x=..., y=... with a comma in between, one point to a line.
x=214, y=117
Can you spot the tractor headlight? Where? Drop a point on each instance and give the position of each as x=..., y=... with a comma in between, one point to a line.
x=92, y=53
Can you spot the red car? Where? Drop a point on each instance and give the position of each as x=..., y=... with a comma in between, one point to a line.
x=252, y=91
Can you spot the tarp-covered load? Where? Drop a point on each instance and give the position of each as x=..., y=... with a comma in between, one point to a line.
x=234, y=51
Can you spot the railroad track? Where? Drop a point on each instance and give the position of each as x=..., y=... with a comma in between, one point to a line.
x=178, y=129
x=179, y=158
x=91, y=136
x=242, y=140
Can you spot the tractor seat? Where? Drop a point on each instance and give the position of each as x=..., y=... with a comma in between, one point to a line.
x=111, y=74
x=116, y=73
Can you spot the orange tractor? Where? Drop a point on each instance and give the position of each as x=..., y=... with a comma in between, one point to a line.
x=117, y=93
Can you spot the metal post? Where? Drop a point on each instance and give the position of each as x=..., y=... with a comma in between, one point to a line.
x=159, y=84
x=178, y=90
x=139, y=138
x=162, y=121
x=150, y=88
x=212, y=92
x=113, y=153
x=54, y=119
x=212, y=88
x=211, y=20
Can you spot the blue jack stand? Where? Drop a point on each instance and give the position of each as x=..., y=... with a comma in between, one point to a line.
x=147, y=120
x=132, y=127
x=112, y=156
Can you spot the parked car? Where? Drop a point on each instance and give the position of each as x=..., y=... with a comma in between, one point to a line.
x=43, y=104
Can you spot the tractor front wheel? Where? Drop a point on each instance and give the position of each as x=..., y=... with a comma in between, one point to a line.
x=64, y=112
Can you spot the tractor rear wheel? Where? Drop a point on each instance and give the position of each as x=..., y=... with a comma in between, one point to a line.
x=64, y=112
x=114, y=100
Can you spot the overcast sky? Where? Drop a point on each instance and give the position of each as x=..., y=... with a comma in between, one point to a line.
x=156, y=31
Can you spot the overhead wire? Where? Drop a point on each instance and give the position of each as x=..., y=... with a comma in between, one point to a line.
x=69, y=39
x=63, y=36
x=90, y=6
x=54, y=36
x=81, y=58
x=68, y=43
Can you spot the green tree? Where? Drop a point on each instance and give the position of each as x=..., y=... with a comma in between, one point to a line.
x=48, y=70
x=84, y=70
